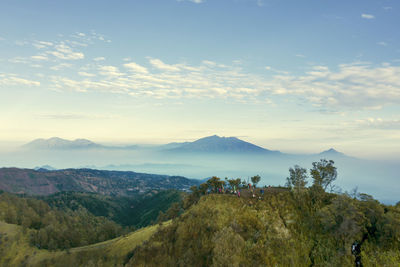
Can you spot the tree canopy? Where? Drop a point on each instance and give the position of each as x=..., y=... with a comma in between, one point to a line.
x=323, y=173
x=297, y=178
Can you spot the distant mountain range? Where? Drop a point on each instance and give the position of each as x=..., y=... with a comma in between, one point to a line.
x=209, y=144
x=59, y=143
x=56, y=143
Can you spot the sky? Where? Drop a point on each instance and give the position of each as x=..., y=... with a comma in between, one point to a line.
x=295, y=76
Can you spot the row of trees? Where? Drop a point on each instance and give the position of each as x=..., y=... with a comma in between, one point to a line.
x=216, y=183
x=323, y=173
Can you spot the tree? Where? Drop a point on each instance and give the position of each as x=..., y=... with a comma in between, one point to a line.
x=215, y=183
x=255, y=180
x=297, y=178
x=323, y=173
x=234, y=183
x=344, y=220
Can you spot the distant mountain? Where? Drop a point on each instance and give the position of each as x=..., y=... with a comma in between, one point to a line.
x=59, y=143
x=56, y=143
x=44, y=168
x=123, y=183
x=331, y=152
x=217, y=144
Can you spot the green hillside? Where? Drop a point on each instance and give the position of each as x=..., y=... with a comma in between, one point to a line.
x=281, y=229
x=15, y=250
x=277, y=228
x=137, y=211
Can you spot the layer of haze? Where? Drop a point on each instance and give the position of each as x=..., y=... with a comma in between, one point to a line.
x=377, y=178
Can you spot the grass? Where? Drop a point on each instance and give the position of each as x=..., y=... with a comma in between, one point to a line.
x=15, y=249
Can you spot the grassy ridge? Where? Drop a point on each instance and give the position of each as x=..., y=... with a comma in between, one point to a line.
x=281, y=229
x=16, y=251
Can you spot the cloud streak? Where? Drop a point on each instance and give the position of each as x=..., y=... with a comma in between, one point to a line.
x=15, y=80
x=367, y=16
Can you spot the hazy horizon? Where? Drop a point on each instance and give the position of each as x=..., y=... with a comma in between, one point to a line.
x=13, y=145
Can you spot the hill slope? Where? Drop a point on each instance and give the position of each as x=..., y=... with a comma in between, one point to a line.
x=122, y=183
x=16, y=251
x=138, y=211
x=282, y=229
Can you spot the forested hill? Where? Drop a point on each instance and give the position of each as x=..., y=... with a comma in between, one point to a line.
x=123, y=183
x=277, y=228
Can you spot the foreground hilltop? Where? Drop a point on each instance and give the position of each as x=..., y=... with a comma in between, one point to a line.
x=282, y=228
x=276, y=228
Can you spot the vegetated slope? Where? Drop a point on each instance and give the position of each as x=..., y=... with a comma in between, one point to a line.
x=15, y=250
x=308, y=228
x=124, y=183
x=283, y=229
x=55, y=229
x=138, y=211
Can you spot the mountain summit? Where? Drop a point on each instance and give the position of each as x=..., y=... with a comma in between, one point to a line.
x=217, y=144
x=59, y=143
x=331, y=152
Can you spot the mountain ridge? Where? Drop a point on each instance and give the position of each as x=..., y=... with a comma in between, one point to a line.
x=218, y=144
x=123, y=183
x=208, y=144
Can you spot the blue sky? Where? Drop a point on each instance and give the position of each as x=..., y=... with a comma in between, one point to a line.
x=298, y=76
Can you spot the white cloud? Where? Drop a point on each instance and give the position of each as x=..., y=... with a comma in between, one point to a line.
x=74, y=116
x=14, y=80
x=61, y=66
x=355, y=86
x=379, y=123
x=86, y=74
x=209, y=63
x=382, y=43
x=110, y=71
x=42, y=44
x=367, y=16
x=132, y=66
x=21, y=60
x=40, y=58
x=99, y=59
x=193, y=1
x=63, y=51
x=157, y=63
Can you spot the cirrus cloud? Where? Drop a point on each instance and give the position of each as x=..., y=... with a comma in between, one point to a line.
x=367, y=16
